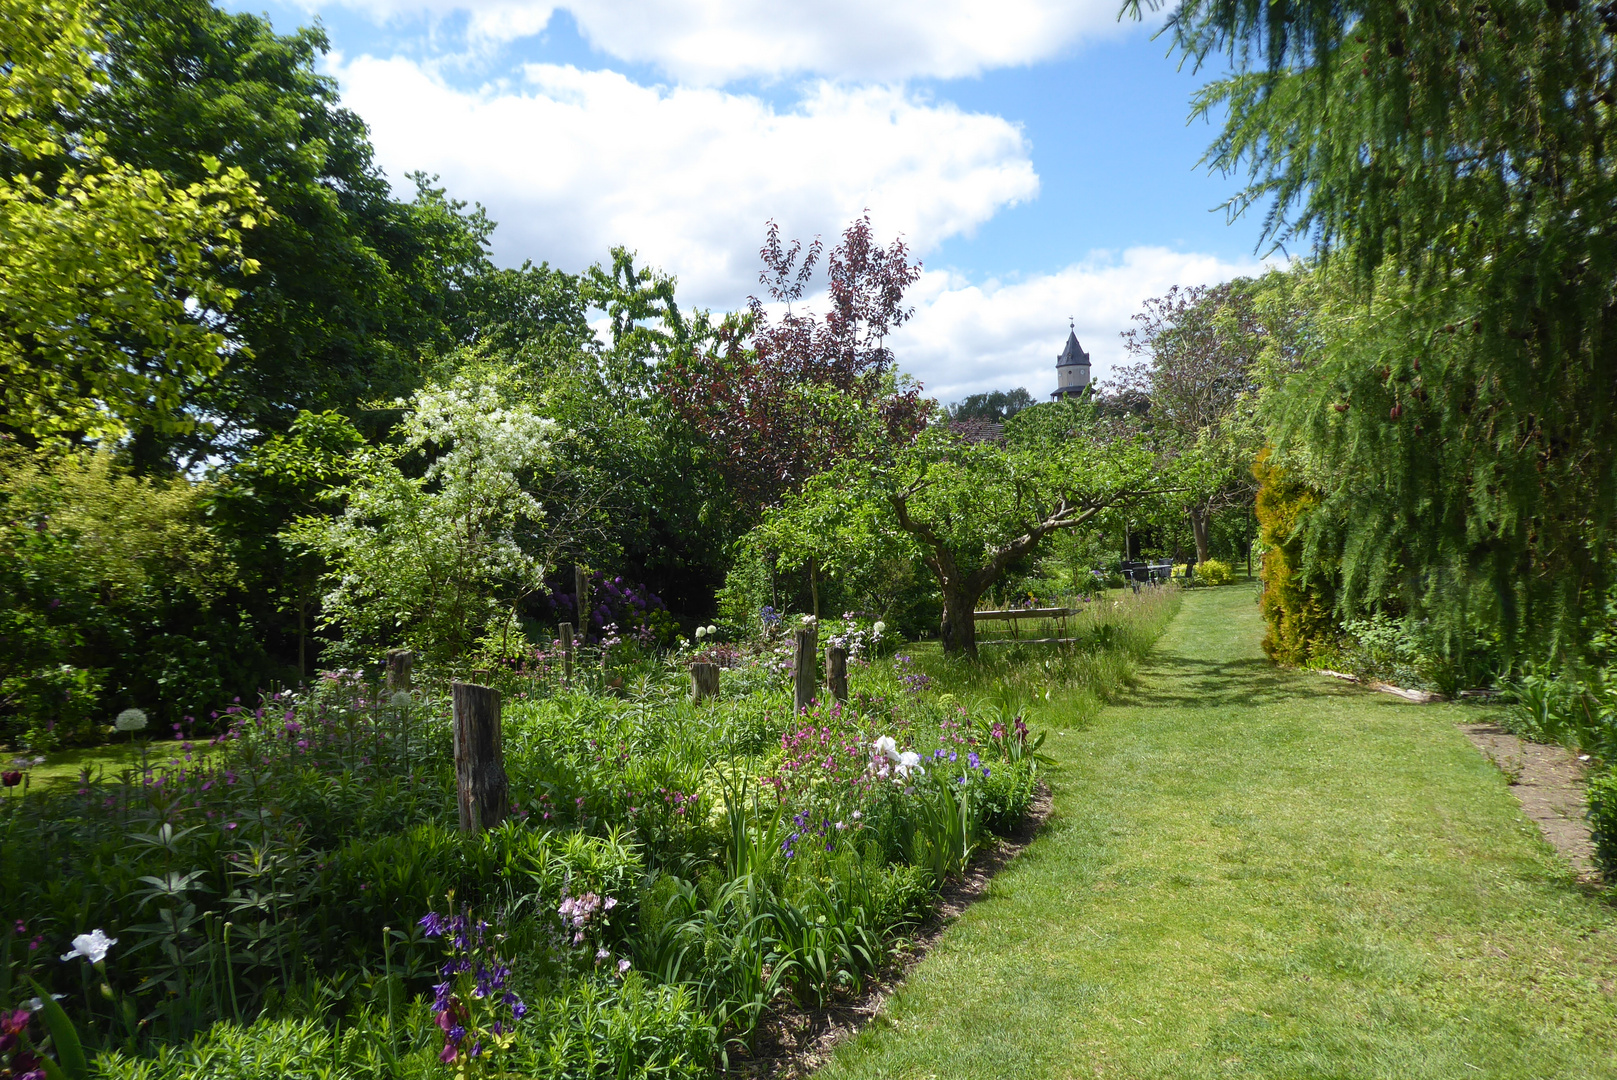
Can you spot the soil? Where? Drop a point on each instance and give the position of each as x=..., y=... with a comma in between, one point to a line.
x=794, y=1042
x=1548, y=782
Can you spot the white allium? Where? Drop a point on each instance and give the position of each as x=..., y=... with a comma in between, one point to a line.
x=712, y=630
x=131, y=720
x=402, y=699
x=701, y=632
x=879, y=629
x=92, y=946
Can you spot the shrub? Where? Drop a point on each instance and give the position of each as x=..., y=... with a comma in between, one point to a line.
x=110, y=589
x=1215, y=572
x=1297, y=606
x=1602, y=794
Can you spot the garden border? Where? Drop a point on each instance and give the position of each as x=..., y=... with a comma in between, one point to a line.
x=795, y=1042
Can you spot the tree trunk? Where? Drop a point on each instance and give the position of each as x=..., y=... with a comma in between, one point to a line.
x=958, y=630
x=1198, y=529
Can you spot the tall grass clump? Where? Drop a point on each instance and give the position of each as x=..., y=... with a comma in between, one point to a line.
x=1113, y=635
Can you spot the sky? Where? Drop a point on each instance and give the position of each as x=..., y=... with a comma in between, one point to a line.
x=1035, y=155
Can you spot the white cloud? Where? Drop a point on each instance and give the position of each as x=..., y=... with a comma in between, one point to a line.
x=967, y=338
x=710, y=42
x=572, y=162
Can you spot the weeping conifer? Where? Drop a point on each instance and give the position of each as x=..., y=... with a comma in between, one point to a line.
x=1449, y=164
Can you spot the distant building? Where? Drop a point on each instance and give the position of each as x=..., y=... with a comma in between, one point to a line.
x=1072, y=369
x=978, y=431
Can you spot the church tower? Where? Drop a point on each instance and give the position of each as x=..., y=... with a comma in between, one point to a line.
x=1072, y=368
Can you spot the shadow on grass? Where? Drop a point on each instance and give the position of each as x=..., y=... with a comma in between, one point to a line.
x=1184, y=682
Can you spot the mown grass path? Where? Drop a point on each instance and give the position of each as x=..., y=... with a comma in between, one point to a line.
x=1257, y=873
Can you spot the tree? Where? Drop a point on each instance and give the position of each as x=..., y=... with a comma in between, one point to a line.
x=1451, y=164
x=111, y=276
x=767, y=393
x=995, y=405
x=968, y=511
x=439, y=559
x=1200, y=347
x=353, y=287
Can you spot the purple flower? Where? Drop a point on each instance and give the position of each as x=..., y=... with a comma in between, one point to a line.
x=973, y=760
x=432, y=924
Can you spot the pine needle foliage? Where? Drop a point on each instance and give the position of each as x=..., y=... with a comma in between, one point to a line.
x=1450, y=164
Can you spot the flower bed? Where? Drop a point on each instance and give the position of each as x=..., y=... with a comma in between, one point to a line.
x=670, y=874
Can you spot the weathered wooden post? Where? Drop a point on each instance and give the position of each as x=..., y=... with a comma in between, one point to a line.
x=581, y=596
x=805, y=660
x=566, y=632
x=836, y=672
x=480, y=785
x=704, y=681
x=399, y=664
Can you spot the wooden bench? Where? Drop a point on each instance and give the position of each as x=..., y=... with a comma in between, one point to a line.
x=1014, y=616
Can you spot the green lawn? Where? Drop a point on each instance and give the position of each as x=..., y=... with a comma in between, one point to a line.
x=63, y=767
x=1259, y=873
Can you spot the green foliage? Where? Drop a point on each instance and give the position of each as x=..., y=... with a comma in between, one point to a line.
x=1297, y=602
x=967, y=512
x=110, y=588
x=1602, y=797
x=111, y=275
x=1460, y=413
x=432, y=560
x=1214, y=572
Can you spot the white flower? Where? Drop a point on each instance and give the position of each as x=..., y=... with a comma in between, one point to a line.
x=131, y=720
x=886, y=746
x=33, y=1005
x=908, y=762
x=879, y=629
x=809, y=620
x=701, y=632
x=712, y=630
x=92, y=946
x=401, y=699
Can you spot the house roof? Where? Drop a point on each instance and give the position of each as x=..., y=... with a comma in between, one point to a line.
x=1072, y=352
x=977, y=431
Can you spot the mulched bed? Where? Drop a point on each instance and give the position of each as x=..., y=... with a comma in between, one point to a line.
x=794, y=1042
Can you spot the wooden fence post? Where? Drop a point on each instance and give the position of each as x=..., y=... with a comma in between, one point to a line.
x=836, y=672
x=399, y=663
x=566, y=632
x=481, y=789
x=704, y=681
x=805, y=660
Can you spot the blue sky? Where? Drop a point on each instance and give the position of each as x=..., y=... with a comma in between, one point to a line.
x=1035, y=154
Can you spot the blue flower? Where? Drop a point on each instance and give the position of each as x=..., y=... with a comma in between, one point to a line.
x=973, y=760
x=432, y=924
